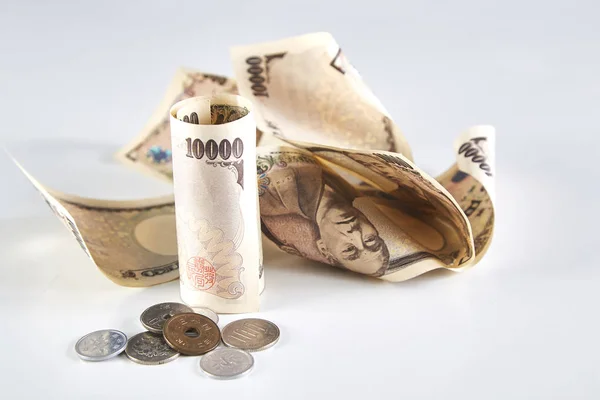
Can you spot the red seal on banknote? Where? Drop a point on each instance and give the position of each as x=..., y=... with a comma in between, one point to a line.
x=201, y=273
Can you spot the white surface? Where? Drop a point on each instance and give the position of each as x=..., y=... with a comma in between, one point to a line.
x=521, y=325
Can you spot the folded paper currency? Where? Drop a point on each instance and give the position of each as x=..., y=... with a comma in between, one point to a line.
x=336, y=184
x=214, y=154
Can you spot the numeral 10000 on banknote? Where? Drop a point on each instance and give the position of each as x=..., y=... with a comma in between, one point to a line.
x=197, y=149
x=256, y=73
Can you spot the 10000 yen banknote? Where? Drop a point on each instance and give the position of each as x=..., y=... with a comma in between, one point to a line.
x=343, y=190
x=214, y=153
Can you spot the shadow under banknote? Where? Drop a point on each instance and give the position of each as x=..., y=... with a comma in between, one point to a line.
x=295, y=281
x=39, y=254
x=115, y=216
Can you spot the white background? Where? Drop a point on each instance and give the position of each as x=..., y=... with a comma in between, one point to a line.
x=79, y=79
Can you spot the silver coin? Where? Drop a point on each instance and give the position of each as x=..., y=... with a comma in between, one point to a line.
x=101, y=345
x=207, y=312
x=153, y=318
x=250, y=334
x=226, y=363
x=149, y=349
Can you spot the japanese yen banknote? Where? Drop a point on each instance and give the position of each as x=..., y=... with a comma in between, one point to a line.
x=336, y=181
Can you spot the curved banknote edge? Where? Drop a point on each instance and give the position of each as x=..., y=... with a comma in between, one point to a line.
x=471, y=181
x=133, y=243
x=214, y=154
x=375, y=212
x=150, y=152
x=304, y=88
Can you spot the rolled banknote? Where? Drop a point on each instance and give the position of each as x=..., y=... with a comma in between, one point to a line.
x=214, y=159
x=150, y=150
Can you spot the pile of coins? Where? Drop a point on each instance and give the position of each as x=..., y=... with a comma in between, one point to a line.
x=174, y=329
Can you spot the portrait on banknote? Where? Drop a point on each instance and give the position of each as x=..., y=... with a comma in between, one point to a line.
x=309, y=210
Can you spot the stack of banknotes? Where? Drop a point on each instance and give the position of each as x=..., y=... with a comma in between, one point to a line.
x=336, y=183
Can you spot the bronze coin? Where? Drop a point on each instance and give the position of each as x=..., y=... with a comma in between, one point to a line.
x=191, y=334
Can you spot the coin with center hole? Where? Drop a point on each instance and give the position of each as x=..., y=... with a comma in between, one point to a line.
x=250, y=334
x=153, y=318
x=226, y=363
x=191, y=334
x=207, y=312
x=149, y=349
x=101, y=345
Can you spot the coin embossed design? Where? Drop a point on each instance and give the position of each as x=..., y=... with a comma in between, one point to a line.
x=226, y=363
x=154, y=317
x=149, y=348
x=251, y=334
x=192, y=334
x=207, y=312
x=101, y=345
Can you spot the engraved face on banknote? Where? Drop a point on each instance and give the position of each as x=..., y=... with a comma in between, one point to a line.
x=309, y=210
x=304, y=215
x=348, y=237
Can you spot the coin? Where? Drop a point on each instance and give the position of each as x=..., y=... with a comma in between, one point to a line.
x=101, y=345
x=250, y=334
x=191, y=334
x=207, y=312
x=226, y=363
x=149, y=348
x=153, y=318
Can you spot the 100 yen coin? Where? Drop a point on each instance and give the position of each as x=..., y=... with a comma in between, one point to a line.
x=250, y=334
